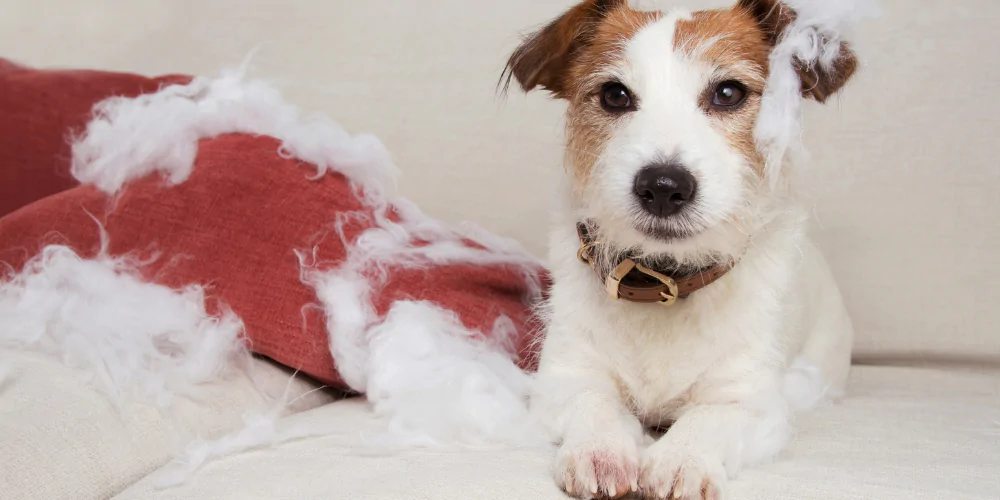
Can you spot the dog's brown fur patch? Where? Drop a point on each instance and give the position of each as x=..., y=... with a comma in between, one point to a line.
x=544, y=59
x=818, y=83
x=733, y=43
x=588, y=126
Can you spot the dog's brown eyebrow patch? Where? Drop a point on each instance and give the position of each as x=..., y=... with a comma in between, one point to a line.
x=728, y=39
x=619, y=27
x=609, y=41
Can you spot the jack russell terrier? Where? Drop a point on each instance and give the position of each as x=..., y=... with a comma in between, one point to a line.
x=686, y=294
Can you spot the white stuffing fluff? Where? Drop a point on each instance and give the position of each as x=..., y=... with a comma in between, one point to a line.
x=346, y=292
x=129, y=138
x=260, y=429
x=814, y=38
x=436, y=388
x=453, y=390
x=98, y=314
x=408, y=363
x=437, y=383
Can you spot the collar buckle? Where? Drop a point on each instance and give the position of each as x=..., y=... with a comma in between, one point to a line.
x=584, y=253
x=613, y=282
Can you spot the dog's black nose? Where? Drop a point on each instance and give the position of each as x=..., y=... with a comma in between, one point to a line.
x=664, y=188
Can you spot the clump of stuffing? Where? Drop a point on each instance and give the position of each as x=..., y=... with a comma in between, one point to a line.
x=132, y=335
x=130, y=138
x=813, y=40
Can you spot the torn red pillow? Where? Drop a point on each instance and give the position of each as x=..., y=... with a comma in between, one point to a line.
x=233, y=226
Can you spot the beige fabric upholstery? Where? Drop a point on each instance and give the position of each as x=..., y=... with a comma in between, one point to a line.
x=903, y=176
x=906, y=434
x=63, y=439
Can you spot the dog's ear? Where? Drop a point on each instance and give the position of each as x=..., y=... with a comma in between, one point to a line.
x=820, y=80
x=545, y=56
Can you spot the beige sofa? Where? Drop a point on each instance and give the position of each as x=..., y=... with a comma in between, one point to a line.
x=904, y=179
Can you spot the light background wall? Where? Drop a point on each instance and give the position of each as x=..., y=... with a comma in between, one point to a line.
x=904, y=173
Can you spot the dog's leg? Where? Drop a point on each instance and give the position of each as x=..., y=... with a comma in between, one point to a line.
x=828, y=332
x=599, y=453
x=710, y=442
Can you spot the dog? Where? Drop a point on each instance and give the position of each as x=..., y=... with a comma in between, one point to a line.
x=686, y=294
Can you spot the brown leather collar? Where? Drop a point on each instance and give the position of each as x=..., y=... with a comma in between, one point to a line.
x=634, y=282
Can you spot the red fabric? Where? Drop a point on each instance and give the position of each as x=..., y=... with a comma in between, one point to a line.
x=234, y=226
x=39, y=109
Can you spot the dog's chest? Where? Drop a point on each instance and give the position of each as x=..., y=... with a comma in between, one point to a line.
x=660, y=359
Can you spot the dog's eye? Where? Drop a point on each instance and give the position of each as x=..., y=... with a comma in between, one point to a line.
x=616, y=98
x=729, y=94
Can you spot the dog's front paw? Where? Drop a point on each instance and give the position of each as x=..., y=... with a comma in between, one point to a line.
x=598, y=468
x=676, y=473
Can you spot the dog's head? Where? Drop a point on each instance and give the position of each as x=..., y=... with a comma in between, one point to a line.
x=661, y=117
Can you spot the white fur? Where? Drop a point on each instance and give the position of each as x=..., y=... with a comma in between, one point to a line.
x=137, y=338
x=724, y=367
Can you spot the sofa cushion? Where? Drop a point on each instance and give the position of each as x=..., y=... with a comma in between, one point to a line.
x=64, y=439
x=902, y=433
